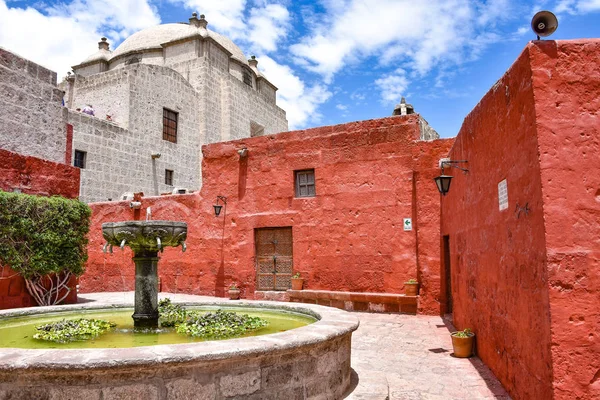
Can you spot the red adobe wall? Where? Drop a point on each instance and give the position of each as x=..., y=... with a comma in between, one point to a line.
x=566, y=84
x=498, y=258
x=349, y=237
x=32, y=175
x=426, y=217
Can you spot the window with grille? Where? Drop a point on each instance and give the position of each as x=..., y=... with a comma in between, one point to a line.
x=305, y=183
x=170, y=125
x=169, y=177
x=247, y=76
x=79, y=159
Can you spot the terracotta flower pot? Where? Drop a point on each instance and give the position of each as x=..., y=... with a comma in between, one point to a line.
x=234, y=294
x=411, y=289
x=297, y=283
x=463, y=347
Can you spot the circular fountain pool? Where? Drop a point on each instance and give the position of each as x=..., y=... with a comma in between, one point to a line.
x=311, y=361
x=18, y=331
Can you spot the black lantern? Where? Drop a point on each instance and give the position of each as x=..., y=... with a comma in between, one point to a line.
x=443, y=183
x=218, y=207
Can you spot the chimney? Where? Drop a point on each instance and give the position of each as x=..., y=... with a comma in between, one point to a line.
x=403, y=108
x=103, y=44
x=253, y=62
x=198, y=23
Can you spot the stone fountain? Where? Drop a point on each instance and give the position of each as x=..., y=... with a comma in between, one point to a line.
x=146, y=239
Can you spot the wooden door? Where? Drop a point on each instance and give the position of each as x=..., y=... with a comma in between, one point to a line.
x=274, y=262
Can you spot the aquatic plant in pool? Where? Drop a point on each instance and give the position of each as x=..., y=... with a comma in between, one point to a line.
x=220, y=324
x=213, y=325
x=72, y=330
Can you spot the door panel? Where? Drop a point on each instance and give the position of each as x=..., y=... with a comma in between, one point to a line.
x=274, y=261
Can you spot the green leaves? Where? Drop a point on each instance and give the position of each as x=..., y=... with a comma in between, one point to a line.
x=43, y=235
x=220, y=324
x=72, y=330
x=463, y=334
x=214, y=325
x=170, y=314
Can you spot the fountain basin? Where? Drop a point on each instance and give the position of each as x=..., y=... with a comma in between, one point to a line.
x=308, y=362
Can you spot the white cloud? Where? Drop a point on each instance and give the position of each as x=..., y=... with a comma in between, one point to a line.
x=226, y=16
x=422, y=35
x=299, y=101
x=393, y=86
x=268, y=26
x=64, y=35
x=341, y=107
x=260, y=25
x=577, y=6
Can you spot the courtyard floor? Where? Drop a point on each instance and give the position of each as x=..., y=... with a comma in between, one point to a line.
x=395, y=357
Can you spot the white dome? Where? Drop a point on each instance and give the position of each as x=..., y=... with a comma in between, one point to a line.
x=154, y=37
x=100, y=55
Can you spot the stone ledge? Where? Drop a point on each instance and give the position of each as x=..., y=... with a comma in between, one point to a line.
x=357, y=301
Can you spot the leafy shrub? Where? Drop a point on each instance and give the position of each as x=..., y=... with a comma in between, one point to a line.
x=44, y=239
x=463, y=334
x=72, y=330
x=170, y=314
x=219, y=324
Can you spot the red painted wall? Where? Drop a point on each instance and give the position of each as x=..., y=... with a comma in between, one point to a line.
x=32, y=175
x=349, y=237
x=566, y=84
x=498, y=258
x=525, y=279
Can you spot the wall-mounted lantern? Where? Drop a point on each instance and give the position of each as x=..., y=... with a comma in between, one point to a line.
x=218, y=207
x=443, y=181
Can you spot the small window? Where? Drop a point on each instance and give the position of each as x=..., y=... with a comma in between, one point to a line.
x=169, y=177
x=247, y=76
x=305, y=183
x=170, y=125
x=79, y=160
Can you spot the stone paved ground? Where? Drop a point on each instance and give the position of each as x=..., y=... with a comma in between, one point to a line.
x=407, y=357
x=395, y=357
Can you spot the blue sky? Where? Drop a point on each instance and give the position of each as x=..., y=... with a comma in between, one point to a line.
x=334, y=61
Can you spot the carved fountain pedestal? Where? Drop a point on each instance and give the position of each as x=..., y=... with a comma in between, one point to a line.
x=146, y=239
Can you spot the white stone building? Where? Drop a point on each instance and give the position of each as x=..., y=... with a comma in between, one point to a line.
x=165, y=90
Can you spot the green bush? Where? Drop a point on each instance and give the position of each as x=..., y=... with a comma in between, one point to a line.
x=44, y=239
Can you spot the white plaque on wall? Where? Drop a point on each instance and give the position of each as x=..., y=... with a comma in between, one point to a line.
x=502, y=195
x=407, y=224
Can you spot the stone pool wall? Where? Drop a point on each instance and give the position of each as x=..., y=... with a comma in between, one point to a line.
x=311, y=362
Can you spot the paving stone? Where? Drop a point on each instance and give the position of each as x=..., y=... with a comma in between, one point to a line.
x=407, y=357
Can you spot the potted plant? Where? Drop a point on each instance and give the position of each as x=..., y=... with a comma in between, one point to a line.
x=462, y=343
x=234, y=292
x=297, y=282
x=411, y=287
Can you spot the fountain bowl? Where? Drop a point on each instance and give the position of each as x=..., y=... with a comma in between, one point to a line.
x=143, y=235
x=311, y=362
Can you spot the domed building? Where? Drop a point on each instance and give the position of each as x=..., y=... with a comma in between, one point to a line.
x=156, y=99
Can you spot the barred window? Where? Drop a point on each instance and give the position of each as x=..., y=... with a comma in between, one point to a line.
x=170, y=125
x=169, y=177
x=247, y=76
x=305, y=183
x=79, y=159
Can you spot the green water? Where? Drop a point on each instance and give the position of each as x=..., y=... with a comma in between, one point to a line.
x=18, y=332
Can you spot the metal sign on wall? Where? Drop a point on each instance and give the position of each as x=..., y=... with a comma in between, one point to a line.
x=407, y=224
